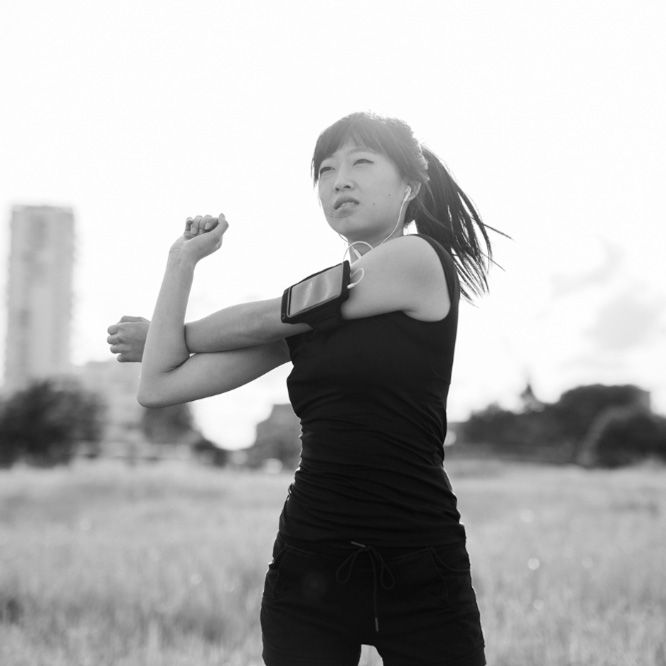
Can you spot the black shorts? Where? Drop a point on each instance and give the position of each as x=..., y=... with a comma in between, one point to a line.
x=416, y=606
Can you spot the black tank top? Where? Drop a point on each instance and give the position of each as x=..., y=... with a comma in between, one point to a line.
x=371, y=396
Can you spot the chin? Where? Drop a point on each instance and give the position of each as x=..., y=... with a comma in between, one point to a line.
x=352, y=229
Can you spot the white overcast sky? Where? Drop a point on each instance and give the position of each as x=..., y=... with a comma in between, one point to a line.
x=549, y=114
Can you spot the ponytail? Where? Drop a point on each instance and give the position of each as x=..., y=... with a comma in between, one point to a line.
x=444, y=212
x=440, y=209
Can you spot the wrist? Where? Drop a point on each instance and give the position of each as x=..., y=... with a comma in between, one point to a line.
x=179, y=258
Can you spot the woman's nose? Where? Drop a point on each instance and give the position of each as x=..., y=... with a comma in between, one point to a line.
x=342, y=181
x=342, y=184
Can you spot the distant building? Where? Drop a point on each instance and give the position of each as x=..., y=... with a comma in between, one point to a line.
x=117, y=384
x=123, y=437
x=529, y=400
x=39, y=294
x=277, y=441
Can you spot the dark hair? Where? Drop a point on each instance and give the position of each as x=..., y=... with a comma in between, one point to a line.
x=440, y=210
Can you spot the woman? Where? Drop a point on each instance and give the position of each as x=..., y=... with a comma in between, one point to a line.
x=370, y=548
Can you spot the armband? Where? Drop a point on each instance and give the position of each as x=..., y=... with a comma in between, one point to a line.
x=317, y=299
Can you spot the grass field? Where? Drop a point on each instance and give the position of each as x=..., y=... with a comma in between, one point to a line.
x=163, y=565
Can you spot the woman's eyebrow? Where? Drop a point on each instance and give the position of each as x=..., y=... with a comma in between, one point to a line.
x=357, y=149
x=362, y=149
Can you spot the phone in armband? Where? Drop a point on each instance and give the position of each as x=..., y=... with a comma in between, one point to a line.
x=317, y=299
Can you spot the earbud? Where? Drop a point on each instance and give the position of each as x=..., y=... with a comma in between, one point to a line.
x=351, y=248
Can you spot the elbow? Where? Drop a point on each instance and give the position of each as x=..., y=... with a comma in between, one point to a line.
x=157, y=395
x=147, y=400
x=152, y=401
x=147, y=396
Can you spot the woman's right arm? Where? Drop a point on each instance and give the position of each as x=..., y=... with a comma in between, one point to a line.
x=208, y=374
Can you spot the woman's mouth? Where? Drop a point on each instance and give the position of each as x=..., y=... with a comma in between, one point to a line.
x=345, y=200
x=345, y=209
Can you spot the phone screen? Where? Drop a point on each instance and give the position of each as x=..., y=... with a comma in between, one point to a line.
x=316, y=290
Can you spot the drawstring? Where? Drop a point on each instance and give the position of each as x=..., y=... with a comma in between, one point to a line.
x=386, y=579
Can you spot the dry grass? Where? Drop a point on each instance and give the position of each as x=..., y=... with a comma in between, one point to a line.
x=164, y=565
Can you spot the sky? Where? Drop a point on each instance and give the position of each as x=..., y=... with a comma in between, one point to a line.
x=550, y=116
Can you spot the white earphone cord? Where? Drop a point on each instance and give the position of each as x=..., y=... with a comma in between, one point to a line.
x=350, y=246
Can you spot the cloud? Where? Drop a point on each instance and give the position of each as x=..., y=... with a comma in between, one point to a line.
x=565, y=284
x=628, y=320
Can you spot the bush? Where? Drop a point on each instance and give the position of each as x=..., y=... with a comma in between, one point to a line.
x=528, y=434
x=168, y=425
x=578, y=408
x=44, y=423
x=624, y=436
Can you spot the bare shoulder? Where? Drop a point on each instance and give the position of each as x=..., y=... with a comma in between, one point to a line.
x=411, y=252
x=405, y=274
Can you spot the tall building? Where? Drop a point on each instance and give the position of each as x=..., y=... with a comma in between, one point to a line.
x=39, y=294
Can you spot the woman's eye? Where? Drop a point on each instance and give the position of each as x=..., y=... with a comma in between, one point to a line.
x=363, y=159
x=324, y=169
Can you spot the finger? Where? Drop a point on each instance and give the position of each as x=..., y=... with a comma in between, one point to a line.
x=223, y=222
x=197, y=224
x=209, y=222
x=130, y=318
x=112, y=340
x=113, y=329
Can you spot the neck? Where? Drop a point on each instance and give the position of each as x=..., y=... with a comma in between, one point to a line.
x=366, y=243
x=363, y=245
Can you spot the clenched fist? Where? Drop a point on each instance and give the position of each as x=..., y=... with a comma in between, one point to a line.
x=202, y=236
x=127, y=338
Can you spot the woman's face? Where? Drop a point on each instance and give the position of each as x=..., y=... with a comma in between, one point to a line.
x=361, y=192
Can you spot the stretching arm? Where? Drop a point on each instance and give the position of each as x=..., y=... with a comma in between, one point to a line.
x=238, y=326
x=165, y=348
x=169, y=374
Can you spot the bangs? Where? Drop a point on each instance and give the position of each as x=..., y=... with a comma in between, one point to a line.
x=382, y=135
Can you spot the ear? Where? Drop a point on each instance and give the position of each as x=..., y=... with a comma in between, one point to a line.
x=415, y=187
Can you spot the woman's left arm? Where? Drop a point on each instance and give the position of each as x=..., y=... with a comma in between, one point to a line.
x=168, y=373
x=165, y=348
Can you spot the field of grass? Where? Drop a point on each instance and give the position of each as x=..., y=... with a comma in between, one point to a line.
x=102, y=564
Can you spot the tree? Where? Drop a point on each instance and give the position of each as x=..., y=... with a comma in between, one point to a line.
x=208, y=453
x=44, y=423
x=168, y=425
x=577, y=409
x=570, y=429
x=623, y=436
x=527, y=435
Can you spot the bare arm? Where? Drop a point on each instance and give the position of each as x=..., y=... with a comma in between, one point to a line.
x=404, y=274
x=209, y=374
x=244, y=325
x=169, y=375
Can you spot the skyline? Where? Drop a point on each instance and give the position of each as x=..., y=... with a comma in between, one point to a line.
x=548, y=117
